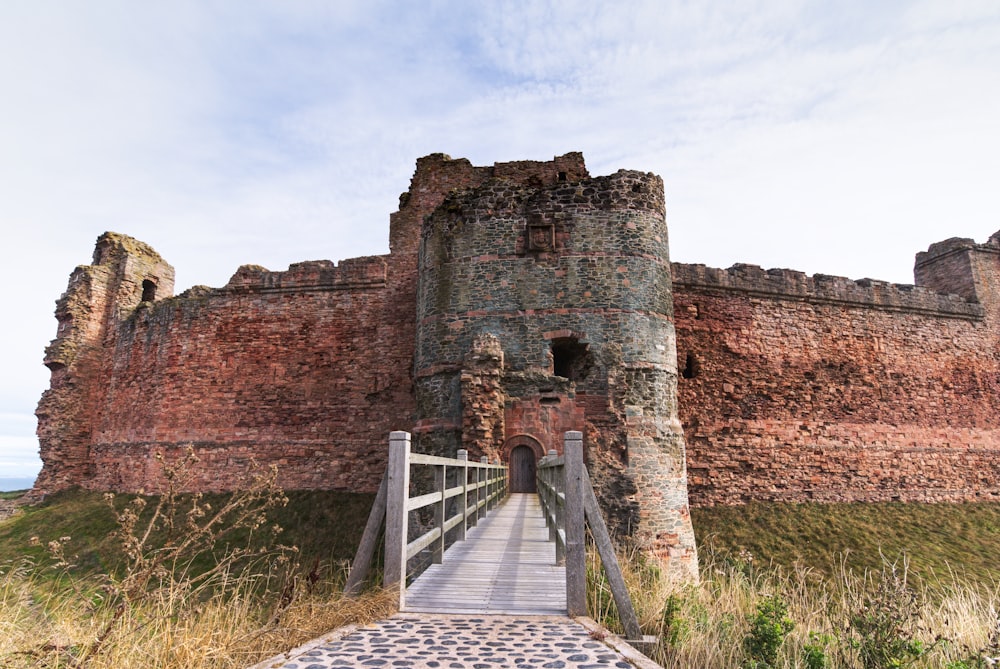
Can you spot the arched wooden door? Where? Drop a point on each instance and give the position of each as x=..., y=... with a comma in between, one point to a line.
x=522, y=469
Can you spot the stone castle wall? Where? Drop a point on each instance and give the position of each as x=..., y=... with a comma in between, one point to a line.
x=254, y=369
x=307, y=369
x=799, y=388
x=518, y=301
x=125, y=274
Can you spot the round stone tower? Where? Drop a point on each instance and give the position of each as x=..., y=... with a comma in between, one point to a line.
x=544, y=306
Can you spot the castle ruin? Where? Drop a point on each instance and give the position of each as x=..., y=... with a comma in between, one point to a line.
x=519, y=301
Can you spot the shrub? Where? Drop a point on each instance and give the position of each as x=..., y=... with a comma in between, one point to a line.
x=768, y=628
x=179, y=556
x=884, y=620
x=815, y=651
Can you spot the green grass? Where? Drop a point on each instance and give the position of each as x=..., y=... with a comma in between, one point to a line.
x=325, y=526
x=11, y=494
x=798, y=554
x=936, y=538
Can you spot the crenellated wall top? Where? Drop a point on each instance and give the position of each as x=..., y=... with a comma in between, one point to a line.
x=786, y=284
x=314, y=274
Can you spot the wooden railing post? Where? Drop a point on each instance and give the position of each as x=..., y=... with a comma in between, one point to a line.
x=497, y=484
x=463, y=528
x=476, y=477
x=491, y=488
x=397, y=491
x=483, y=489
x=544, y=476
x=440, y=486
x=576, y=555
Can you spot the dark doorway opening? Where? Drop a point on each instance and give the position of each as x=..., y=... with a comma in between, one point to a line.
x=522, y=469
x=571, y=359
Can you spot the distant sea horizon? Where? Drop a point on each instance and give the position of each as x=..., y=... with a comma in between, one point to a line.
x=8, y=484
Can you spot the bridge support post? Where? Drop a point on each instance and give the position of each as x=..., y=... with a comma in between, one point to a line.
x=576, y=555
x=397, y=491
x=366, y=550
x=441, y=511
x=463, y=527
x=483, y=493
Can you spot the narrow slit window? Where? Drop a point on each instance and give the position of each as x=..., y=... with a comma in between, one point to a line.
x=692, y=367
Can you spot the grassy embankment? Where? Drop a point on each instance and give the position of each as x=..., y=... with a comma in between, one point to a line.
x=782, y=586
x=177, y=581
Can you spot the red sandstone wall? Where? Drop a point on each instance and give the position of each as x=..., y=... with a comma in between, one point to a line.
x=823, y=389
x=794, y=388
x=545, y=420
x=308, y=369
x=123, y=274
x=300, y=369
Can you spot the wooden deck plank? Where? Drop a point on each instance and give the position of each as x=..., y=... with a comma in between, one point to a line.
x=506, y=566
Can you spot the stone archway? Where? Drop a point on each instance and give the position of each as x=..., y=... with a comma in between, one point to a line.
x=521, y=453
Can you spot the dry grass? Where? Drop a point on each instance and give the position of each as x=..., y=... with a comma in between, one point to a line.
x=234, y=627
x=192, y=582
x=188, y=588
x=250, y=613
x=948, y=624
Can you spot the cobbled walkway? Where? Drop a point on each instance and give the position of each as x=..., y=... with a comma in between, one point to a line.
x=421, y=641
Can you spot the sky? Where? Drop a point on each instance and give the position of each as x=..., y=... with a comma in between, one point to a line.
x=835, y=138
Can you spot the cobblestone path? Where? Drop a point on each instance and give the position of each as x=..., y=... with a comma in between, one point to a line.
x=421, y=641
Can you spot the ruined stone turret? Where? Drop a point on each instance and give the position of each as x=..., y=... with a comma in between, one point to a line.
x=124, y=274
x=571, y=278
x=962, y=267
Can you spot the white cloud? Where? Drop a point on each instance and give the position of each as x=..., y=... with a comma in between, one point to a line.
x=790, y=134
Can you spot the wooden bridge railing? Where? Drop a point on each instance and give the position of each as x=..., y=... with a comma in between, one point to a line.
x=568, y=501
x=478, y=488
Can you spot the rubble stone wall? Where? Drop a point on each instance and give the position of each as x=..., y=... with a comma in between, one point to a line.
x=517, y=301
x=572, y=279
x=290, y=368
x=797, y=388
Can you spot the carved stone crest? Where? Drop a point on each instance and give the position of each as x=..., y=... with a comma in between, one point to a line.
x=541, y=237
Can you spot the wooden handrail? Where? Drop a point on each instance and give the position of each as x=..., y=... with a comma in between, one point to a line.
x=553, y=498
x=475, y=498
x=568, y=501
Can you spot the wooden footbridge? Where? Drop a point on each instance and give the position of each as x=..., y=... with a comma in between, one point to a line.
x=457, y=542
x=485, y=577
x=506, y=565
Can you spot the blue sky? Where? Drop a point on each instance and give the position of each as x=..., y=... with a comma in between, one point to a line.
x=789, y=134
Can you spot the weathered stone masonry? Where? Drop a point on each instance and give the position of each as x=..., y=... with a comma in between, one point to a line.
x=519, y=301
x=237, y=373
x=572, y=280
x=798, y=388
